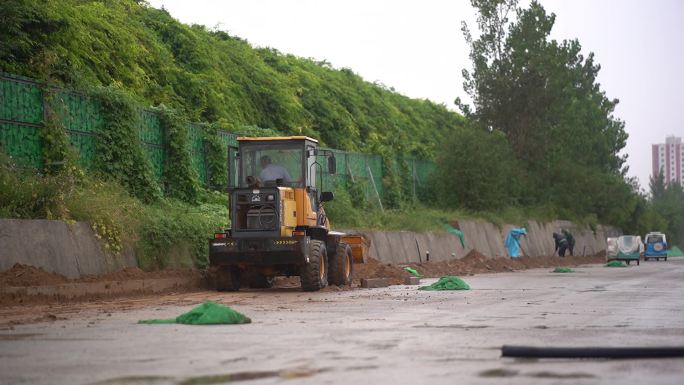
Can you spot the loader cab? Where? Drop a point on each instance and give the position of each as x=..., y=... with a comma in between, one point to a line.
x=279, y=185
x=287, y=162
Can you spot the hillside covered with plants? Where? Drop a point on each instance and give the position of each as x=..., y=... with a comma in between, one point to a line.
x=540, y=139
x=211, y=76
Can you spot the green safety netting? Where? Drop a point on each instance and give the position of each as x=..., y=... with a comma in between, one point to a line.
x=563, y=270
x=447, y=283
x=615, y=264
x=413, y=271
x=675, y=252
x=449, y=228
x=208, y=313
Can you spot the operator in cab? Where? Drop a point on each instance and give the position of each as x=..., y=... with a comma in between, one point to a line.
x=272, y=172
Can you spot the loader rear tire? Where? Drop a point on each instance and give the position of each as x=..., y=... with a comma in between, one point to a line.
x=341, y=266
x=314, y=275
x=226, y=278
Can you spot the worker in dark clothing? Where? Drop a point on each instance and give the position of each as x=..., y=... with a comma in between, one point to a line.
x=561, y=244
x=571, y=241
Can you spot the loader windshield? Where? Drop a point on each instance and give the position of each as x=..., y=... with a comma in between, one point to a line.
x=265, y=165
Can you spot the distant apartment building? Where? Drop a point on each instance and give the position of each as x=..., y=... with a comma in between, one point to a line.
x=669, y=157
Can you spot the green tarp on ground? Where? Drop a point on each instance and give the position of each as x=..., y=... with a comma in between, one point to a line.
x=456, y=232
x=447, y=282
x=563, y=270
x=413, y=271
x=208, y=313
x=615, y=264
x=675, y=252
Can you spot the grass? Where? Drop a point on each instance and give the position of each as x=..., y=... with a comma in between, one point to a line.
x=420, y=218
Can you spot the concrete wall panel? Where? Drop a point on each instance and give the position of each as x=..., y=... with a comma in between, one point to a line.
x=68, y=249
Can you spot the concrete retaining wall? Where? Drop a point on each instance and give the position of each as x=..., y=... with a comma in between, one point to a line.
x=485, y=237
x=68, y=249
x=73, y=251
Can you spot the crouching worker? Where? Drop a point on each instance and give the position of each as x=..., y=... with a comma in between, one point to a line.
x=561, y=244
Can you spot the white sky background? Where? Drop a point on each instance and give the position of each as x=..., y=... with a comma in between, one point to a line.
x=416, y=46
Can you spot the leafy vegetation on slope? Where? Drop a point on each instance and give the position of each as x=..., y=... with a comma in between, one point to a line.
x=211, y=76
x=541, y=138
x=166, y=232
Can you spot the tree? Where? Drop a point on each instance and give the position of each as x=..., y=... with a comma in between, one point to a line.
x=657, y=185
x=671, y=207
x=476, y=170
x=543, y=96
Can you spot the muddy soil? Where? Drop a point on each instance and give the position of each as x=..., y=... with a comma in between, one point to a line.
x=473, y=263
x=24, y=275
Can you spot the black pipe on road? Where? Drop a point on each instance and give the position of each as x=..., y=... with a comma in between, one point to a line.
x=591, y=352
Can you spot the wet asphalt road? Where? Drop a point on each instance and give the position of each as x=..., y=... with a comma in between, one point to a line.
x=397, y=335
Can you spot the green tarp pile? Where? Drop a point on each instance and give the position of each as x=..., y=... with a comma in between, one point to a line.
x=208, y=313
x=615, y=264
x=447, y=282
x=563, y=270
x=413, y=271
x=675, y=252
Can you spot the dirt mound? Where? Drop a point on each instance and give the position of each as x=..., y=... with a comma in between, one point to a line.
x=473, y=263
x=376, y=269
x=25, y=275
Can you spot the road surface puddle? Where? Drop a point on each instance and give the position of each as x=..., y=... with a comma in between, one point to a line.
x=17, y=336
x=287, y=374
x=500, y=372
x=132, y=380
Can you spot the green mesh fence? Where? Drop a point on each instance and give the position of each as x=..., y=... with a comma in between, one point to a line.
x=21, y=116
x=82, y=119
x=197, y=152
x=151, y=135
x=23, y=103
x=362, y=170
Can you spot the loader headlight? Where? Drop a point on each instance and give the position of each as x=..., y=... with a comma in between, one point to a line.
x=270, y=197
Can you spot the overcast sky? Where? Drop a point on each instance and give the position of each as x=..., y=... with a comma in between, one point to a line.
x=417, y=47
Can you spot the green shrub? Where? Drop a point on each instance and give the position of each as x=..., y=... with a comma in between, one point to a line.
x=112, y=213
x=26, y=194
x=175, y=234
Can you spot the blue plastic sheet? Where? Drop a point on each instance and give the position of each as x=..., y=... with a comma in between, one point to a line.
x=512, y=241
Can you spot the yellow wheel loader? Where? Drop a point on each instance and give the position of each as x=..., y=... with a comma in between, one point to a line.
x=278, y=224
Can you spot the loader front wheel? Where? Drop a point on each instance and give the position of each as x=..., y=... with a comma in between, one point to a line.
x=314, y=274
x=341, y=266
x=226, y=278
